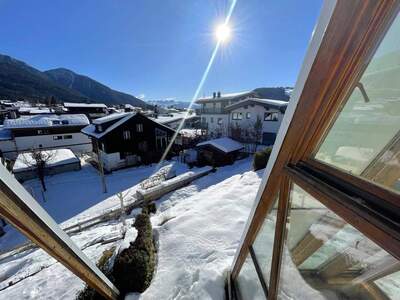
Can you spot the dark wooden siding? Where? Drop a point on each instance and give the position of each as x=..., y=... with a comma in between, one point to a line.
x=114, y=140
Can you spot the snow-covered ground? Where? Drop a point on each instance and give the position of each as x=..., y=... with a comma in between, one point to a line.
x=77, y=195
x=198, y=226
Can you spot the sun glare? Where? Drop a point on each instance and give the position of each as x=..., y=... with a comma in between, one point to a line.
x=223, y=33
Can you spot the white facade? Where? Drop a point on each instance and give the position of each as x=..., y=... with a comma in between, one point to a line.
x=218, y=124
x=243, y=117
x=113, y=161
x=77, y=142
x=250, y=114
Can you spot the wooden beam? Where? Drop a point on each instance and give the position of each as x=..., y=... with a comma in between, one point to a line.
x=280, y=236
x=24, y=213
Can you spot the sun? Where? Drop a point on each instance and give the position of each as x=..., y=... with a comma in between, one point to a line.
x=223, y=33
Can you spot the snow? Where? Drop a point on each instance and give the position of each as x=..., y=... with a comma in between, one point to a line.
x=46, y=121
x=198, y=228
x=270, y=103
x=190, y=133
x=110, y=117
x=92, y=105
x=76, y=196
x=173, y=117
x=57, y=157
x=224, y=144
x=91, y=129
x=230, y=95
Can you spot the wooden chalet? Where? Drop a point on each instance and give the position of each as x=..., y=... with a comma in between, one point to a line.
x=127, y=139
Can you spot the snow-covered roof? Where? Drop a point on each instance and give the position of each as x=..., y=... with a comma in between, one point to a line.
x=173, y=117
x=110, y=117
x=224, y=144
x=46, y=121
x=57, y=157
x=91, y=129
x=223, y=97
x=190, y=132
x=270, y=103
x=98, y=105
x=35, y=110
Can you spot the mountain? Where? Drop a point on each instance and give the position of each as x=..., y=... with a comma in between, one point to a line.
x=91, y=88
x=18, y=80
x=276, y=93
x=172, y=104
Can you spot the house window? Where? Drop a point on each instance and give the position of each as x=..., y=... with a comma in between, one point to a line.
x=139, y=127
x=237, y=116
x=126, y=134
x=271, y=116
x=212, y=120
x=219, y=121
x=57, y=137
x=42, y=131
x=68, y=137
x=248, y=115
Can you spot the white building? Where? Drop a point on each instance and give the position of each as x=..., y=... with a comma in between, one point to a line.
x=256, y=119
x=44, y=132
x=235, y=115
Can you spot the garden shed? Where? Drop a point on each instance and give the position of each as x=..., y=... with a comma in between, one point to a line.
x=218, y=152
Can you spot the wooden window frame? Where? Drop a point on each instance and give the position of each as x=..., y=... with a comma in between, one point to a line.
x=340, y=50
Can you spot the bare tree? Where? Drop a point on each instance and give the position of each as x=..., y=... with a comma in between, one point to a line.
x=38, y=159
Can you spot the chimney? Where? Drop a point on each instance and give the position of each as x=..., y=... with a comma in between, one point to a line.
x=219, y=95
x=214, y=94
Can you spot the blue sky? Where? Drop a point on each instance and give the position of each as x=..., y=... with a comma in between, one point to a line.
x=160, y=49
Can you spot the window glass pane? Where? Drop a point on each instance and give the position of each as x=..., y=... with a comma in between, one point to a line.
x=248, y=282
x=326, y=258
x=365, y=138
x=264, y=243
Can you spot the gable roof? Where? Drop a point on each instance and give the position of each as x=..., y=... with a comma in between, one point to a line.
x=91, y=129
x=110, y=118
x=223, y=144
x=92, y=105
x=267, y=103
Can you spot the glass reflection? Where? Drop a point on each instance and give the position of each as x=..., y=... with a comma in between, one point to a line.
x=326, y=258
x=365, y=138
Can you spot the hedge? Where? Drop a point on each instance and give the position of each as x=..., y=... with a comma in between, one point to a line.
x=261, y=158
x=134, y=267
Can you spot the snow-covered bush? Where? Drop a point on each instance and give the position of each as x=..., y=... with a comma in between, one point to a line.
x=261, y=158
x=134, y=266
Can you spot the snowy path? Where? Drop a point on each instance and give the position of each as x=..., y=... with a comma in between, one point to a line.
x=199, y=229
